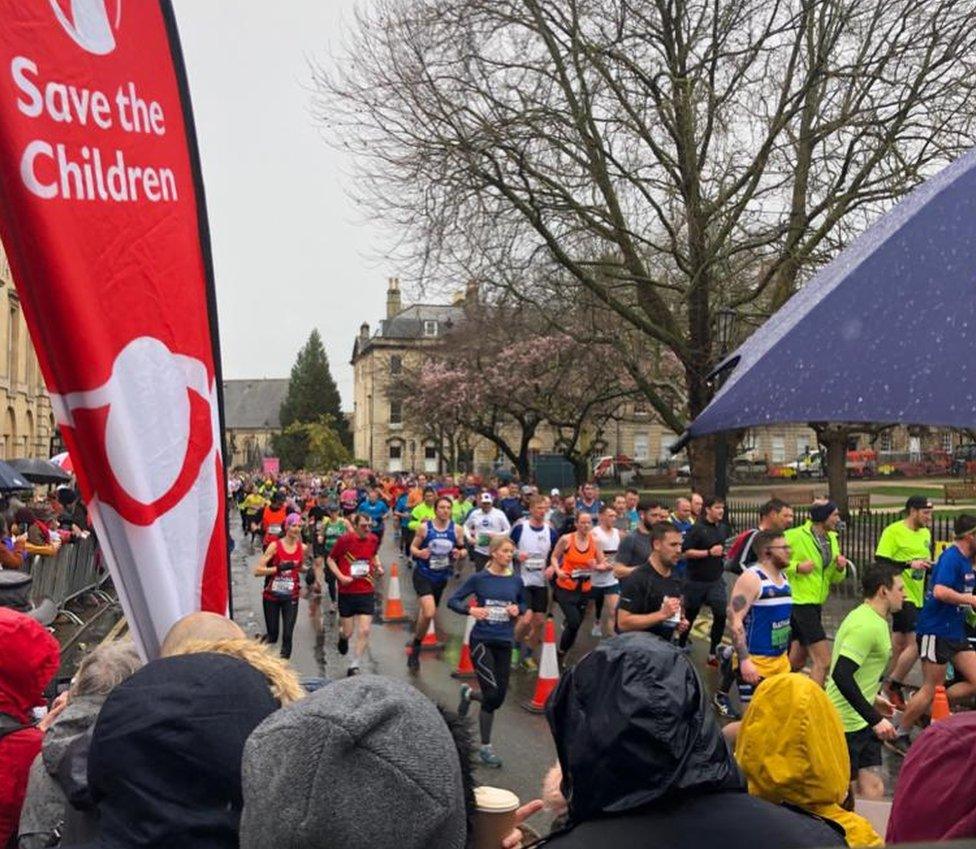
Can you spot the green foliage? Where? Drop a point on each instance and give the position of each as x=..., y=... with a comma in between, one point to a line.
x=312, y=392
x=315, y=446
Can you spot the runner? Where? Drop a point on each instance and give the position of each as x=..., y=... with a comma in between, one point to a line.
x=650, y=596
x=703, y=547
x=604, y=587
x=941, y=630
x=281, y=566
x=328, y=530
x=907, y=545
x=572, y=562
x=534, y=539
x=816, y=564
x=589, y=501
x=621, y=523
x=376, y=509
x=697, y=505
x=759, y=618
x=774, y=515
x=354, y=561
x=273, y=519
x=631, y=509
x=437, y=546
x=635, y=548
x=500, y=601
x=481, y=526
x=402, y=515
x=252, y=508
x=862, y=649
x=424, y=511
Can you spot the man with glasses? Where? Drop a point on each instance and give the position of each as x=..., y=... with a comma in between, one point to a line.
x=941, y=630
x=355, y=562
x=906, y=545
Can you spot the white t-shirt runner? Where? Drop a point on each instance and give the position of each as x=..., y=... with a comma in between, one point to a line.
x=609, y=542
x=483, y=525
x=536, y=543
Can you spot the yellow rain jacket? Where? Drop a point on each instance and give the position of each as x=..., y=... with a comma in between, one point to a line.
x=791, y=749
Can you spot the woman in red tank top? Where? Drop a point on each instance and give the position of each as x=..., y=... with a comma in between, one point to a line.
x=573, y=560
x=281, y=566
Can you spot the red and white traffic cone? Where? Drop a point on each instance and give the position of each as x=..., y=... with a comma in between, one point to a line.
x=430, y=641
x=548, y=671
x=465, y=668
x=393, y=608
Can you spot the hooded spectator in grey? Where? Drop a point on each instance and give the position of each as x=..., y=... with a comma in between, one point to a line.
x=60, y=772
x=366, y=761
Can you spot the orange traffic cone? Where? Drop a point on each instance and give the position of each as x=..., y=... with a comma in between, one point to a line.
x=393, y=609
x=430, y=641
x=548, y=671
x=465, y=668
x=940, y=704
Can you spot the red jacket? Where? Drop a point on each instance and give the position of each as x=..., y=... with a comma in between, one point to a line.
x=28, y=660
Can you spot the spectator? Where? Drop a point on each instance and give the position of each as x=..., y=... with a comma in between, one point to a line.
x=654, y=769
x=354, y=742
x=59, y=772
x=792, y=749
x=200, y=625
x=29, y=657
x=165, y=759
x=934, y=797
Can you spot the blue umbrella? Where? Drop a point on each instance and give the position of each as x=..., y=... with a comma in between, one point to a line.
x=885, y=333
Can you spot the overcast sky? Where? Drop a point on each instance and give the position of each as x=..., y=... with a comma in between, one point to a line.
x=290, y=251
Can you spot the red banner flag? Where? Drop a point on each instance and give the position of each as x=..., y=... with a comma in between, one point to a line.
x=104, y=223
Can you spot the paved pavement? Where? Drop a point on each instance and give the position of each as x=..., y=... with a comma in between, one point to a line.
x=521, y=739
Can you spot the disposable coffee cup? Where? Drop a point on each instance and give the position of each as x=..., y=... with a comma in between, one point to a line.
x=494, y=816
x=674, y=618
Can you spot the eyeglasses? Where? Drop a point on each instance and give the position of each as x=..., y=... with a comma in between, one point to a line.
x=787, y=546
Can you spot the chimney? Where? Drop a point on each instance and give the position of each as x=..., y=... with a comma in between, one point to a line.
x=364, y=331
x=393, y=303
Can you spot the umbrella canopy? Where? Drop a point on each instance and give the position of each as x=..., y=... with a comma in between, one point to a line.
x=11, y=480
x=38, y=470
x=884, y=333
x=63, y=461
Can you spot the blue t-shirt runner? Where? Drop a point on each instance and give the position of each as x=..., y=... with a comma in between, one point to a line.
x=937, y=618
x=376, y=510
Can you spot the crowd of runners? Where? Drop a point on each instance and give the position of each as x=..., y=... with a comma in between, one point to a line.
x=511, y=557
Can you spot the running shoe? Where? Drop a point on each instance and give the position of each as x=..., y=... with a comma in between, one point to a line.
x=900, y=745
x=351, y=671
x=343, y=644
x=529, y=664
x=712, y=661
x=465, y=702
x=413, y=658
x=487, y=757
x=514, y=662
x=596, y=630
x=723, y=706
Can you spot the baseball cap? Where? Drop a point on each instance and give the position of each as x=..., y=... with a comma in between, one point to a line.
x=486, y=498
x=554, y=491
x=918, y=502
x=527, y=490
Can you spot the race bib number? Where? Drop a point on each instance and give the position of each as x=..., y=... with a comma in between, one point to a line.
x=580, y=574
x=439, y=562
x=780, y=637
x=498, y=614
x=484, y=539
x=283, y=585
x=534, y=564
x=359, y=568
x=274, y=530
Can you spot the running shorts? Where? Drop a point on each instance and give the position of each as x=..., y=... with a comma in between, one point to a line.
x=424, y=586
x=806, y=626
x=940, y=650
x=537, y=598
x=356, y=604
x=864, y=749
x=903, y=622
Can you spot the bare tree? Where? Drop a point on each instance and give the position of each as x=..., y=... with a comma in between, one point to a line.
x=666, y=157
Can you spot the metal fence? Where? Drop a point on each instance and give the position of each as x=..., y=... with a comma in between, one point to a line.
x=76, y=569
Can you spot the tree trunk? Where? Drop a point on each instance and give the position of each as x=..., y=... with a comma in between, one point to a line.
x=834, y=438
x=701, y=457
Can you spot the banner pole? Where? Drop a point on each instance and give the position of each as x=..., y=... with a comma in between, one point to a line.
x=179, y=67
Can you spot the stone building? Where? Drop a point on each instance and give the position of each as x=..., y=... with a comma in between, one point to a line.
x=251, y=410
x=28, y=423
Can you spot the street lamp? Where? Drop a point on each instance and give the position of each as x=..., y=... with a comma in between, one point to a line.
x=725, y=329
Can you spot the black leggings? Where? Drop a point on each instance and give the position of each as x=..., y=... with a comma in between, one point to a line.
x=573, y=606
x=492, y=663
x=288, y=610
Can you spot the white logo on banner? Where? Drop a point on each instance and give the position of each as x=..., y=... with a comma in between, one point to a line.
x=89, y=24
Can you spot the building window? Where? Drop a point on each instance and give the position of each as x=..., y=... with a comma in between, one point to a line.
x=396, y=364
x=395, y=463
x=13, y=346
x=886, y=441
x=947, y=441
x=667, y=440
x=430, y=458
x=396, y=412
x=642, y=410
x=642, y=446
x=430, y=328
x=749, y=441
x=802, y=445
x=779, y=450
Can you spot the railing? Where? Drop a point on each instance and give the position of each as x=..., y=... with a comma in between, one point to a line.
x=76, y=569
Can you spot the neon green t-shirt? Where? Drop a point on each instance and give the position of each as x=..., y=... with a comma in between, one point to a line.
x=863, y=637
x=900, y=543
